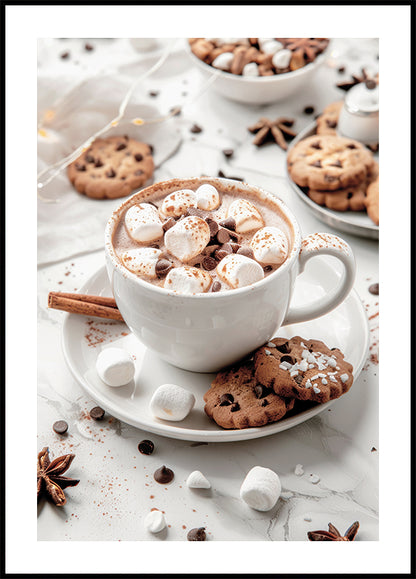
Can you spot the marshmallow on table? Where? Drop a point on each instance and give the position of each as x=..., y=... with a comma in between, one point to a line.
x=188, y=280
x=261, y=488
x=155, y=521
x=177, y=203
x=115, y=366
x=171, y=402
x=187, y=238
x=282, y=58
x=250, y=69
x=207, y=197
x=196, y=480
x=246, y=215
x=143, y=223
x=270, y=245
x=223, y=61
x=238, y=270
x=141, y=260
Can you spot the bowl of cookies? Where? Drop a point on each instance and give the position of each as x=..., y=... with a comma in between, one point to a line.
x=258, y=70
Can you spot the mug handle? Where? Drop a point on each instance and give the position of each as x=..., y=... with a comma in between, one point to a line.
x=324, y=244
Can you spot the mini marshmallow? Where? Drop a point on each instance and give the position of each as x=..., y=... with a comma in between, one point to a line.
x=270, y=46
x=187, y=238
x=115, y=367
x=207, y=197
x=142, y=260
x=171, y=402
x=176, y=204
x=143, y=223
x=246, y=215
x=155, y=521
x=223, y=61
x=270, y=245
x=281, y=59
x=188, y=280
x=250, y=69
x=238, y=270
x=261, y=488
x=196, y=480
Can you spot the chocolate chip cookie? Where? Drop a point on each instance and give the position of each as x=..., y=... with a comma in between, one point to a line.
x=326, y=123
x=304, y=369
x=112, y=167
x=328, y=162
x=372, y=201
x=236, y=400
x=349, y=199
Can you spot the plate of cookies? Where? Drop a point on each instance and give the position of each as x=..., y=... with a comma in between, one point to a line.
x=296, y=375
x=336, y=177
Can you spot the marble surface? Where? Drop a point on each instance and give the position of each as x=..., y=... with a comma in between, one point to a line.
x=117, y=489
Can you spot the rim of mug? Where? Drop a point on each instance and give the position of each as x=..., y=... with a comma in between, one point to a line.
x=112, y=222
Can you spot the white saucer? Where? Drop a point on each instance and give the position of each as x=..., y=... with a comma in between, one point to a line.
x=346, y=327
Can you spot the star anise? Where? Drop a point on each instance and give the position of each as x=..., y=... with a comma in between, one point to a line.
x=309, y=47
x=50, y=480
x=357, y=79
x=266, y=130
x=333, y=534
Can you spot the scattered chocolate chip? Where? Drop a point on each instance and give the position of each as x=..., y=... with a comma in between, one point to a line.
x=246, y=250
x=197, y=534
x=98, y=163
x=316, y=164
x=331, y=123
x=309, y=110
x=163, y=267
x=226, y=399
x=163, y=475
x=80, y=167
x=97, y=413
x=60, y=426
x=168, y=224
x=341, y=69
x=121, y=146
x=373, y=449
x=373, y=289
x=316, y=145
x=213, y=226
x=235, y=407
x=219, y=254
x=336, y=163
x=370, y=84
x=287, y=359
x=194, y=212
x=209, y=263
x=228, y=153
x=284, y=348
x=65, y=55
x=110, y=174
x=196, y=129
x=88, y=46
x=223, y=236
x=138, y=172
x=228, y=223
x=267, y=268
x=235, y=247
x=216, y=286
x=153, y=93
x=146, y=447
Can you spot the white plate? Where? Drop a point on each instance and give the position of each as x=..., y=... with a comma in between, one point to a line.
x=346, y=327
x=355, y=222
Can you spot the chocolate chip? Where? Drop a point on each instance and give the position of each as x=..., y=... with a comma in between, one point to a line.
x=341, y=69
x=349, y=195
x=336, y=163
x=88, y=47
x=247, y=251
x=168, y=224
x=163, y=267
x=151, y=149
x=60, y=426
x=194, y=212
x=97, y=413
x=213, y=226
x=287, y=359
x=298, y=379
x=331, y=123
x=228, y=223
x=226, y=399
x=197, y=534
x=65, y=55
x=153, y=93
x=121, y=146
x=261, y=391
x=209, y=263
x=216, y=286
x=223, y=236
x=267, y=268
x=370, y=84
x=235, y=247
x=283, y=348
x=316, y=145
x=80, y=167
x=138, y=157
x=223, y=252
x=309, y=110
x=351, y=146
x=98, y=163
x=373, y=289
x=228, y=153
x=163, y=475
x=175, y=111
x=89, y=158
x=235, y=407
x=110, y=174
x=221, y=174
x=196, y=129
x=316, y=164
x=138, y=172
x=146, y=447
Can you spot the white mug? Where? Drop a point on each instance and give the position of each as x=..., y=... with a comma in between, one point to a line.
x=205, y=332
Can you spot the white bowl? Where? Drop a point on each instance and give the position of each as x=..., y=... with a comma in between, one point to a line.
x=258, y=90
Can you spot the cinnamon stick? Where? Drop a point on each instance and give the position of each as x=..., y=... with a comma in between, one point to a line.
x=85, y=304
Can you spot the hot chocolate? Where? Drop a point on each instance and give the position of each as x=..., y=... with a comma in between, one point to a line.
x=193, y=237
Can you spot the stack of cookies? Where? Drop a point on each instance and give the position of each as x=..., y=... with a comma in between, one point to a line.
x=336, y=171
x=277, y=379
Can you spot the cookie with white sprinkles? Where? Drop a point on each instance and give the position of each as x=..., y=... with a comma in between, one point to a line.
x=303, y=369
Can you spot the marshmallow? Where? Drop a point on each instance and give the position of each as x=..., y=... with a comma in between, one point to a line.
x=247, y=217
x=261, y=489
x=196, y=480
x=171, y=402
x=250, y=69
x=115, y=367
x=142, y=260
x=238, y=270
x=143, y=223
x=176, y=204
x=207, y=197
x=155, y=521
x=270, y=45
x=270, y=245
x=187, y=238
x=282, y=58
x=223, y=61
x=188, y=280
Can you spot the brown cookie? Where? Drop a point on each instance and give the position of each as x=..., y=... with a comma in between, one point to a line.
x=112, y=167
x=328, y=162
x=372, y=201
x=305, y=369
x=236, y=400
x=326, y=123
x=349, y=199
